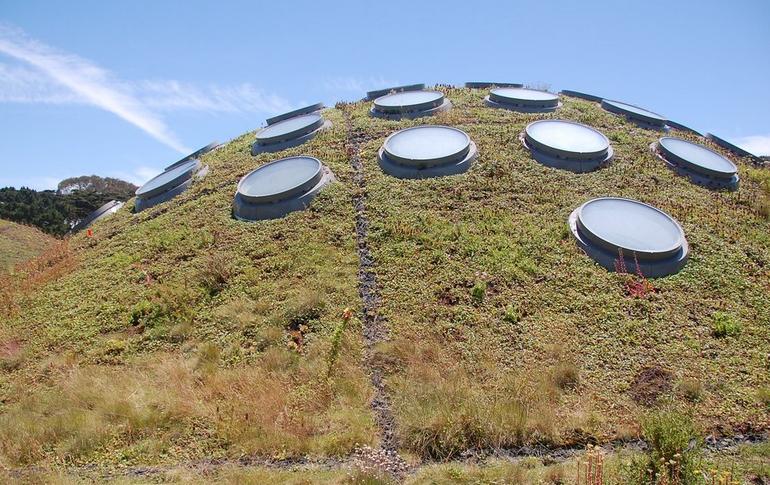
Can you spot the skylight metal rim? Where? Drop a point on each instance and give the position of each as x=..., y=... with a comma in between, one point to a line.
x=487, y=85
x=292, y=135
x=658, y=120
x=523, y=102
x=521, y=109
x=410, y=108
x=565, y=154
x=171, y=184
x=640, y=253
x=434, y=171
x=286, y=194
x=378, y=93
x=676, y=159
x=196, y=154
x=247, y=211
x=294, y=113
x=721, y=142
x=608, y=260
x=422, y=163
x=581, y=95
x=97, y=214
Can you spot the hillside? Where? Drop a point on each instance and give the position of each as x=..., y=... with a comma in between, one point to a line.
x=180, y=336
x=19, y=243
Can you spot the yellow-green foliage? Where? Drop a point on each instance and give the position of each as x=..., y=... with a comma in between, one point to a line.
x=19, y=243
x=180, y=333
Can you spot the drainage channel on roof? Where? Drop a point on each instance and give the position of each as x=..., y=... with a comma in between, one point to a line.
x=372, y=95
x=567, y=145
x=701, y=165
x=280, y=187
x=289, y=133
x=581, y=95
x=102, y=212
x=409, y=104
x=640, y=116
x=487, y=85
x=427, y=151
x=297, y=112
x=196, y=154
x=733, y=148
x=521, y=99
x=625, y=235
x=168, y=184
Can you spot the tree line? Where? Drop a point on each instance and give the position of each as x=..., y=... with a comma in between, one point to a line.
x=55, y=212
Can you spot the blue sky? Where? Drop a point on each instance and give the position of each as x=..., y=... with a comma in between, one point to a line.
x=123, y=88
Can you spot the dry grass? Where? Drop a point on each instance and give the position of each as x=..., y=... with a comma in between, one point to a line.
x=446, y=409
x=18, y=243
x=55, y=261
x=153, y=407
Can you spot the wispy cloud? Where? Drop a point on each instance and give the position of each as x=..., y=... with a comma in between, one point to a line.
x=87, y=80
x=175, y=95
x=22, y=85
x=50, y=76
x=358, y=84
x=756, y=144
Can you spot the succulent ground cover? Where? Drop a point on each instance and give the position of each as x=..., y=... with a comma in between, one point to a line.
x=179, y=335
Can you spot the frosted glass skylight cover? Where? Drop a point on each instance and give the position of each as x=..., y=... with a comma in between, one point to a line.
x=287, y=127
x=180, y=172
x=427, y=143
x=699, y=156
x=566, y=136
x=631, y=225
x=281, y=177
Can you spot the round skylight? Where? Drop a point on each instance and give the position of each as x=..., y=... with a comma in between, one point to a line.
x=168, y=184
x=567, y=139
x=409, y=101
x=627, y=234
x=370, y=95
x=280, y=179
x=733, y=148
x=635, y=113
x=427, y=145
x=487, y=85
x=631, y=226
x=168, y=179
x=102, y=212
x=521, y=99
x=279, y=187
x=427, y=151
x=581, y=95
x=195, y=154
x=289, y=132
x=290, y=129
x=297, y=112
x=697, y=157
x=567, y=145
x=701, y=165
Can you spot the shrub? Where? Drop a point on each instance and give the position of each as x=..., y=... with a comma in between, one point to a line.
x=478, y=291
x=673, y=446
x=724, y=325
x=566, y=375
x=216, y=272
x=691, y=389
x=512, y=314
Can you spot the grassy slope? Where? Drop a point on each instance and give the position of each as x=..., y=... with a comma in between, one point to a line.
x=131, y=358
x=19, y=243
x=169, y=342
x=458, y=363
